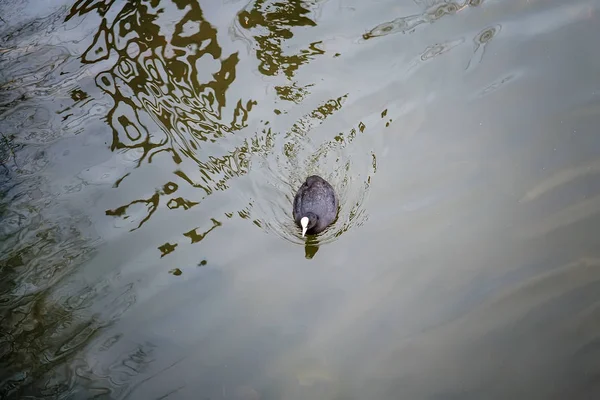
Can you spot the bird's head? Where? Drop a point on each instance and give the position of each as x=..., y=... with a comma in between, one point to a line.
x=308, y=222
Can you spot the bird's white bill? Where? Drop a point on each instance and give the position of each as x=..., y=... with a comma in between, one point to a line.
x=304, y=223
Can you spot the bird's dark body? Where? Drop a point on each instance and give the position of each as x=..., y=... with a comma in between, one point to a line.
x=316, y=197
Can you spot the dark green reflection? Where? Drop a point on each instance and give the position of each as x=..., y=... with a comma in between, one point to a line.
x=166, y=248
x=38, y=332
x=271, y=24
x=311, y=247
x=161, y=103
x=278, y=19
x=6, y=149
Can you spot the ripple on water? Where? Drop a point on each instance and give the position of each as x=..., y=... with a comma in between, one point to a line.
x=29, y=124
x=408, y=24
x=498, y=84
x=440, y=48
x=480, y=43
x=32, y=71
x=277, y=177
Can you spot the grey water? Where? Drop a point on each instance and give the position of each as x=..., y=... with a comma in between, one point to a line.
x=150, y=152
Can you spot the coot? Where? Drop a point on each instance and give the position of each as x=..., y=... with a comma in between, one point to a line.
x=315, y=205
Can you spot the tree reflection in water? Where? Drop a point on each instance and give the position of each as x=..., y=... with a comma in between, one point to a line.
x=168, y=87
x=165, y=103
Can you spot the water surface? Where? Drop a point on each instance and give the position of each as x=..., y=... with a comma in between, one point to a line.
x=150, y=151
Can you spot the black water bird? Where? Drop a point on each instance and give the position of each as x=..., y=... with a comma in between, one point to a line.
x=315, y=205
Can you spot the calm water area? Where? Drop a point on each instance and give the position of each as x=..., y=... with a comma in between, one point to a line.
x=150, y=151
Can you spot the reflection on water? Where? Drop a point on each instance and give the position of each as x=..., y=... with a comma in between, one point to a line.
x=278, y=18
x=150, y=152
x=154, y=81
x=331, y=157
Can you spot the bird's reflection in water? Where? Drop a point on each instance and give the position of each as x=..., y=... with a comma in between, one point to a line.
x=311, y=247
